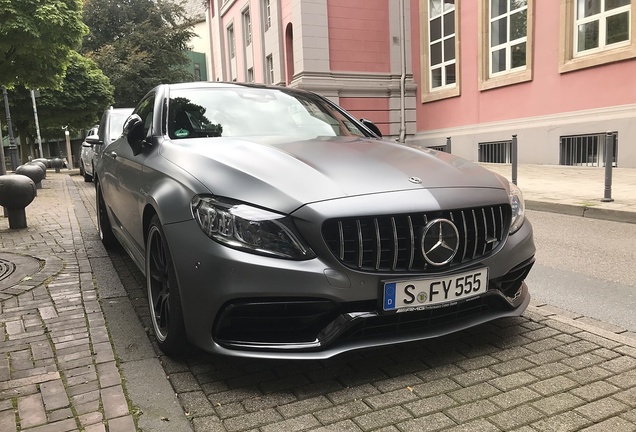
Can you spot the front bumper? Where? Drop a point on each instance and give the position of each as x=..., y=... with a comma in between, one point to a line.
x=242, y=304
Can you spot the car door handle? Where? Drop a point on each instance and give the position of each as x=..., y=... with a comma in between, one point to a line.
x=112, y=154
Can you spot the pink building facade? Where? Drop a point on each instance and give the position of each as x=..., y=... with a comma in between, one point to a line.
x=349, y=51
x=557, y=74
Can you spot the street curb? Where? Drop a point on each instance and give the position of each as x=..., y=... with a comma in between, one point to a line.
x=582, y=211
x=618, y=335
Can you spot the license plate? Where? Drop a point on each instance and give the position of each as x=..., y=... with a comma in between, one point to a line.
x=430, y=293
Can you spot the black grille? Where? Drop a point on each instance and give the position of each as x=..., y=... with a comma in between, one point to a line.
x=392, y=243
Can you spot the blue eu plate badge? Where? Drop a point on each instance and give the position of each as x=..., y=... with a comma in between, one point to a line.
x=389, y=296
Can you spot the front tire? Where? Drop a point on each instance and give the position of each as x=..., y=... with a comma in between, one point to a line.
x=104, y=227
x=163, y=292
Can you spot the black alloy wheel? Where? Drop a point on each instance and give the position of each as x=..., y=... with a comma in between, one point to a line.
x=163, y=292
x=104, y=227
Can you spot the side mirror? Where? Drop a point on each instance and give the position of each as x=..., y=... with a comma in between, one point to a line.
x=92, y=140
x=371, y=126
x=134, y=132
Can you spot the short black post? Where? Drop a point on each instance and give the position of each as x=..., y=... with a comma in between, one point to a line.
x=609, y=161
x=514, y=159
x=448, y=145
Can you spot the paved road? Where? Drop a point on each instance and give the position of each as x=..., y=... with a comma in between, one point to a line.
x=544, y=371
x=585, y=266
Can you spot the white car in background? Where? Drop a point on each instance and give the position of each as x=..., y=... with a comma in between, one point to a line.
x=86, y=156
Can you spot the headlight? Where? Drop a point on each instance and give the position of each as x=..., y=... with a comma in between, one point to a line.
x=248, y=228
x=518, y=208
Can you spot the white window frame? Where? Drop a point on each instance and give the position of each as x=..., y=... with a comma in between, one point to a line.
x=267, y=15
x=601, y=17
x=231, y=41
x=430, y=93
x=510, y=76
x=571, y=60
x=247, y=27
x=269, y=69
x=508, y=44
x=441, y=40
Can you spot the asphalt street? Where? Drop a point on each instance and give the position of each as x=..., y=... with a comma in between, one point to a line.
x=585, y=266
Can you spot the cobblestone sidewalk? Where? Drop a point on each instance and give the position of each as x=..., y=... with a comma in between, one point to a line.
x=57, y=367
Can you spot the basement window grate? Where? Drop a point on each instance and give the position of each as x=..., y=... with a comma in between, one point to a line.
x=586, y=150
x=496, y=152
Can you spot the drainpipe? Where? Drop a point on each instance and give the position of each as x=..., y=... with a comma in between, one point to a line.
x=402, y=137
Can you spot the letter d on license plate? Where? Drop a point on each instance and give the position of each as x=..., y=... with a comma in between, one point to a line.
x=423, y=293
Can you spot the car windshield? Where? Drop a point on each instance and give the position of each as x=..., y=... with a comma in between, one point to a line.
x=248, y=111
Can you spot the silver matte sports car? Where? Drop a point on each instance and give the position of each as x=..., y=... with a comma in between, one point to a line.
x=271, y=223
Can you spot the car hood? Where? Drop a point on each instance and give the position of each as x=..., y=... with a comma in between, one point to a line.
x=285, y=175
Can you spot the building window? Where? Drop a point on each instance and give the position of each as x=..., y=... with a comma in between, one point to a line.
x=440, y=49
x=600, y=24
x=587, y=150
x=247, y=27
x=267, y=15
x=506, y=42
x=595, y=32
x=231, y=41
x=508, y=35
x=250, y=75
x=441, y=25
x=197, y=72
x=269, y=65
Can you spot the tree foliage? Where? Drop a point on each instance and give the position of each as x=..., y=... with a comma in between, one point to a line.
x=77, y=103
x=36, y=37
x=138, y=44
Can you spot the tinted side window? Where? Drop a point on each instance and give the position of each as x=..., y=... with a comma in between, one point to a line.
x=102, y=126
x=145, y=110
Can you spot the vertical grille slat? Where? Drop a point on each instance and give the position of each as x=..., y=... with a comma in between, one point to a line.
x=341, y=249
x=412, y=238
x=476, y=233
x=396, y=244
x=378, y=244
x=392, y=243
x=485, y=241
x=465, y=236
x=360, y=244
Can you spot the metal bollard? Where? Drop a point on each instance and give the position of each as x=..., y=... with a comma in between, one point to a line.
x=57, y=163
x=514, y=159
x=32, y=171
x=448, y=145
x=16, y=192
x=609, y=161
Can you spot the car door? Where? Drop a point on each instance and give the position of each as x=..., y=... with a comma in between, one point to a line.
x=126, y=196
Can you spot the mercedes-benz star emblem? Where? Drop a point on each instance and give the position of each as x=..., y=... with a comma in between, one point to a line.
x=440, y=242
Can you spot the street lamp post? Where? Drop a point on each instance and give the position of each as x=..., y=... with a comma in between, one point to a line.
x=37, y=123
x=69, y=155
x=13, y=148
x=3, y=166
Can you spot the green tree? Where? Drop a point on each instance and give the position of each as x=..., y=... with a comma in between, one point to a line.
x=36, y=37
x=138, y=44
x=77, y=103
